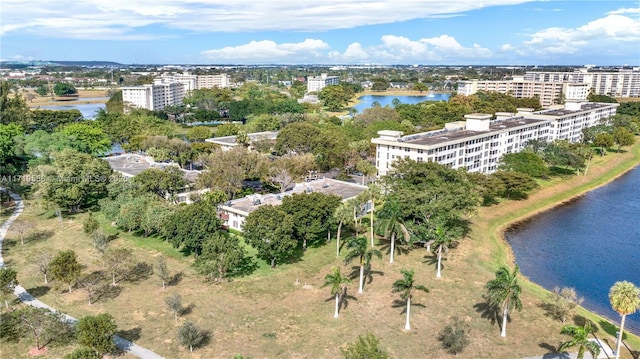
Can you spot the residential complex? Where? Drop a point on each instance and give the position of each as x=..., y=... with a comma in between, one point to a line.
x=228, y=142
x=551, y=87
x=169, y=89
x=479, y=142
x=317, y=83
x=154, y=97
x=234, y=213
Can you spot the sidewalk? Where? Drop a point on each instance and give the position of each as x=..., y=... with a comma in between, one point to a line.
x=28, y=299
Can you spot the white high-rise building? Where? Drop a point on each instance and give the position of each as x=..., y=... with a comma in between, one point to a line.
x=478, y=143
x=317, y=83
x=153, y=97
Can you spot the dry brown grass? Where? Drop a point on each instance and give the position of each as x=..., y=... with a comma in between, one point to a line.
x=268, y=315
x=83, y=94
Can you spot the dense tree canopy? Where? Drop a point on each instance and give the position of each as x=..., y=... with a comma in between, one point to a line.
x=270, y=230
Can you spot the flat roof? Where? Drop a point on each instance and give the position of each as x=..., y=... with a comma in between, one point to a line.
x=344, y=190
x=455, y=135
x=131, y=164
x=583, y=107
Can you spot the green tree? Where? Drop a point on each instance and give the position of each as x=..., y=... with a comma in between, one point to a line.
x=623, y=137
x=97, y=332
x=191, y=336
x=50, y=120
x=419, y=86
x=358, y=249
x=580, y=339
x=405, y=287
x=64, y=89
x=391, y=222
x=503, y=292
x=454, y=337
x=297, y=138
x=564, y=302
x=174, y=303
x=73, y=180
x=366, y=347
x=334, y=97
x=13, y=107
x=165, y=182
x=443, y=239
x=516, y=185
x=42, y=90
x=526, y=162
x=8, y=282
x=90, y=224
x=335, y=280
x=604, y=141
x=191, y=225
x=65, y=267
x=366, y=168
x=269, y=230
x=379, y=84
x=222, y=258
x=87, y=137
x=312, y=214
x=199, y=133
x=9, y=148
x=625, y=299
x=43, y=326
x=342, y=215
x=162, y=271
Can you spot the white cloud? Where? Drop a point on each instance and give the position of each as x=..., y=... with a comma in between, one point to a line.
x=609, y=31
x=268, y=51
x=118, y=18
x=392, y=49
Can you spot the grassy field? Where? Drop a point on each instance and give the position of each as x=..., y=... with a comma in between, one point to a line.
x=82, y=99
x=285, y=313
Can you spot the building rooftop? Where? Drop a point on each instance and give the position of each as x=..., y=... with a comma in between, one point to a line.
x=248, y=204
x=130, y=164
x=436, y=137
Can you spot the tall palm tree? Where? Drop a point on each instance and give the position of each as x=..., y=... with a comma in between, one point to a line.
x=580, y=340
x=343, y=214
x=625, y=299
x=405, y=287
x=374, y=191
x=504, y=292
x=391, y=222
x=358, y=246
x=335, y=280
x=442, y=241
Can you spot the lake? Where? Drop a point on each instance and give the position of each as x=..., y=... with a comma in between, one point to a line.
x=88, y=110
x=367, y=101
x=588, y=244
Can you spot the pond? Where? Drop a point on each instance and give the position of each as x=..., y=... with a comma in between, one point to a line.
x=88, y=110
x=588, y=244
x=367, y=101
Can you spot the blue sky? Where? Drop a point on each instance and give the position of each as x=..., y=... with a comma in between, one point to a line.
x=428, y=32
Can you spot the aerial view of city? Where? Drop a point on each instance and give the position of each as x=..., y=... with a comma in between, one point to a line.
x=357, y=179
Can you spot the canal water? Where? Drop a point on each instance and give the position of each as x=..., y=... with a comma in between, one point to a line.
x=588, y=244
x=367, y=101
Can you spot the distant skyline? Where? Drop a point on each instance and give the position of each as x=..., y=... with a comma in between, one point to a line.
x=384, y=32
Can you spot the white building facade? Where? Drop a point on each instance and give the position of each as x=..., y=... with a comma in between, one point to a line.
x=317, y=83
x=478, y=143
x=153, y=97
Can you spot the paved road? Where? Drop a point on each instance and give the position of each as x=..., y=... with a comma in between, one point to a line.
x=27, y=298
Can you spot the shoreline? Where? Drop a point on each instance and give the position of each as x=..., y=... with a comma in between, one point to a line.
x=532, y=210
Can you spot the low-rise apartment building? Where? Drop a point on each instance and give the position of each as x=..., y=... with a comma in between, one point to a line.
x=478, y=143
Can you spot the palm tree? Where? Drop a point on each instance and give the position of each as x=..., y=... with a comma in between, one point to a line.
x=335, y=280
x=342, y=214
x=442, y=241
x=405, y=286
x=358, y=246
x=625, y=299
x=580, y=340
x=504, y=292
x=374, y=191
x=392, y=222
